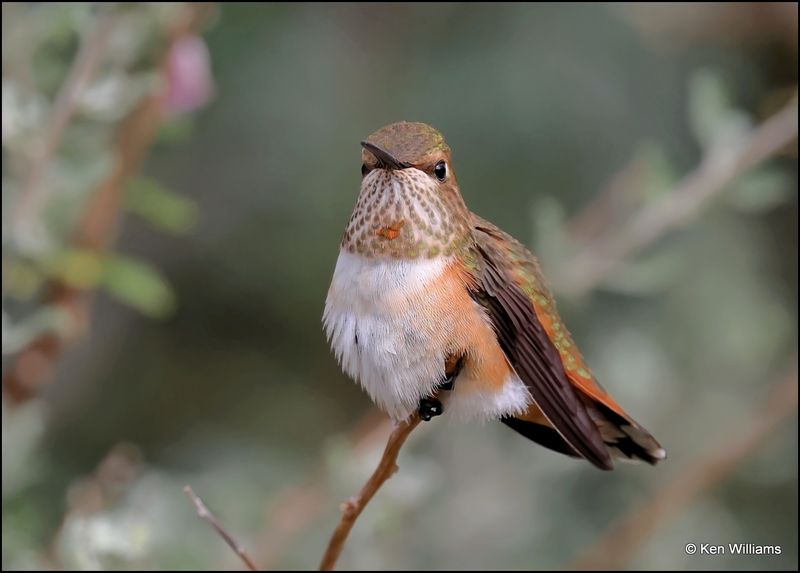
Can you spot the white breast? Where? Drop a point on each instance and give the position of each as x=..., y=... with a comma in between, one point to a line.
x=377, y=321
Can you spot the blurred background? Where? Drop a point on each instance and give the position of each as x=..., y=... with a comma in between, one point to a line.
x=176, y=179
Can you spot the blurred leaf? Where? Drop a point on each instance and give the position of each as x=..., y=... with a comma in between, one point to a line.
x=177, y=130
x=164, y=209
x=73, y=178
x=113, y=96
x=77, y=268
x=712, y=116
x=23, y=427
x=23, y=112
x=108, y=540
x=138, y=284
x=17, y=335
x=760, y=191
x=709, y=104
x=21, y=278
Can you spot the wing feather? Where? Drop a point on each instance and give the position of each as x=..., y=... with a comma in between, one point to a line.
x=530, y=351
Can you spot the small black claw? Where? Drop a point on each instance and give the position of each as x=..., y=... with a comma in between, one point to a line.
x=451, y=378
x=430, y=408
x=448, y=383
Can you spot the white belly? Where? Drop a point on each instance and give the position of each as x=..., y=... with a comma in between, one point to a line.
x=381, y=320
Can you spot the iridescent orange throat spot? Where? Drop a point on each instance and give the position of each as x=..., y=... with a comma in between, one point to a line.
x=393, y=231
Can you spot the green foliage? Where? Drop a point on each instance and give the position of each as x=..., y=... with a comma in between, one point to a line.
x=713, y=116
x=545, y=107
x=46, y=319
x=47, y=208
x=131, y=281
x=176, y=131
x=72, y=74
x=165, y=210
x=761, y=190
x=138, y=284
x=77, y=268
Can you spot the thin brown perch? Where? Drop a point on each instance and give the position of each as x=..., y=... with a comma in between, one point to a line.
x=205, y=514
x=591, y=227
x=353, y=507
x=294, y=509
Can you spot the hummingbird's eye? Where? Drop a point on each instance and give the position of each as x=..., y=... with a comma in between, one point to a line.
x=440, y=170
x=364, y=169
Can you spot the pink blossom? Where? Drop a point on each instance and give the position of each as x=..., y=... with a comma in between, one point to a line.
x=189, y=81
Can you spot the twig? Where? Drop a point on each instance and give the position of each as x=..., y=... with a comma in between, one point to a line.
x=716, y=171
x=765, y=142
x=614, y=548
x=353, y=507
x=81, y=72
x=205, y=514
x=294, y=509
x=612, y=204
x=35, y=364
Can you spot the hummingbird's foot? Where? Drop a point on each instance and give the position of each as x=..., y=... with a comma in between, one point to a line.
x=452, y=373
x=430, y=408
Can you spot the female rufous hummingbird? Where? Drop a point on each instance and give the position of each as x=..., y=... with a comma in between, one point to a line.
x=435, y=310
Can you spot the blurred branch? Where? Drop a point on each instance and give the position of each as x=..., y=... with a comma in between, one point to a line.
x=353, y=507
x=205, y=514
x=617, y=546
x=296, y=508
x=79, y=77
x=723, y=164
x=34, y=364
x=612, y=204
x=96, y=492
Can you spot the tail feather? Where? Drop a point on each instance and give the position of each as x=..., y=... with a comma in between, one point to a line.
x=624, y=437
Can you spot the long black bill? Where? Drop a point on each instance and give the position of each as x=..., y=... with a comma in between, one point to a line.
x=384, y=158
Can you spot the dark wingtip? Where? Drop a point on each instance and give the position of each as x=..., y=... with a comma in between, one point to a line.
x=549, y=438
x=605, y=465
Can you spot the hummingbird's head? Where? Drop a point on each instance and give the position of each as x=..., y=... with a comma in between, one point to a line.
x=409, y=205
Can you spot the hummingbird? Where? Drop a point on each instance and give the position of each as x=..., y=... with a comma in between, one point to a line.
x=435, y=310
